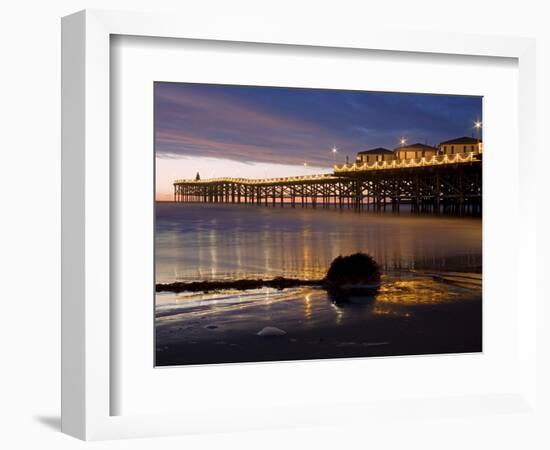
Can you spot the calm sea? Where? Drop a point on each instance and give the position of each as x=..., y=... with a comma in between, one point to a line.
x=210, y=242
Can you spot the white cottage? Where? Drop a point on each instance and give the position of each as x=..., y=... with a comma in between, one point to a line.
x=374, y=155
x=460, y=145
x=415, y=151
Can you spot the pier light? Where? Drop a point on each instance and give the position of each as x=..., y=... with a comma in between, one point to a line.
x=334, y=151
x=477, y=126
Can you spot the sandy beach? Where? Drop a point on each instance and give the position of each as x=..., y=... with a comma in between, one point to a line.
x=445, y=316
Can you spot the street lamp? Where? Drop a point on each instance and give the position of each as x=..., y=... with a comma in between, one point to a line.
x=334, y=151
x=402, y=141
x=477, y=126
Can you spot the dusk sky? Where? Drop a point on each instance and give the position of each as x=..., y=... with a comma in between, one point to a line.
x=245, y=131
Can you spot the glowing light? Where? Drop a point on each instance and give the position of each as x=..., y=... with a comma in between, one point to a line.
x=477, y=125
x=334, y=151
x=338, y=168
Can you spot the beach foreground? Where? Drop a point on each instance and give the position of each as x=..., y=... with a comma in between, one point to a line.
x=429, y=300
x=412, y=314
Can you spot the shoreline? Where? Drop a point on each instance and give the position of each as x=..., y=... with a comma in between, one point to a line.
x=451, y=276
x=279, y=283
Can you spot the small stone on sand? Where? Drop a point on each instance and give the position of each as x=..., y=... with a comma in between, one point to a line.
x=271, y=331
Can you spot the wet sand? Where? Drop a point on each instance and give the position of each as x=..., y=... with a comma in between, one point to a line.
x=450, y=321
x=452, y=328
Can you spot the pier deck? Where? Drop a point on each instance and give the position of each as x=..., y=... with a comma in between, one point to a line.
x=440, y=184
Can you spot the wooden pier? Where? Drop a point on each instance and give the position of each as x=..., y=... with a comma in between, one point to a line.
x=437, y=185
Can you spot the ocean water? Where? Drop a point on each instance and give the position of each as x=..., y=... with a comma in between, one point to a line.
x=212, y=242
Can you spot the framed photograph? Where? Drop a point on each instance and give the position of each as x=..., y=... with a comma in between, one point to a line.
x=288, y=226
x=275, y=246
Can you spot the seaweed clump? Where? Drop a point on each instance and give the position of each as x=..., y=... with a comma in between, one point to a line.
x=359, y=268
x=353, y=273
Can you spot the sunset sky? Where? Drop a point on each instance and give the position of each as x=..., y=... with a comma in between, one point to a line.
x=256, y=132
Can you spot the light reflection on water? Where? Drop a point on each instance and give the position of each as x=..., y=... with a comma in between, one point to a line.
x=431, y=266
x=302, y=308
x=206, y=242
x=425, y=261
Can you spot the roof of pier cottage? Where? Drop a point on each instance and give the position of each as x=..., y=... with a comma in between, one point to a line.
x=461, y=140
x=415, y=146
x=375, y=151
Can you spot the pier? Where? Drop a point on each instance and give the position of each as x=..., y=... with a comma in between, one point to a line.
x=450, y=184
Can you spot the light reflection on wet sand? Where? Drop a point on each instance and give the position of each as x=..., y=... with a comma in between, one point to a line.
x=302, y=307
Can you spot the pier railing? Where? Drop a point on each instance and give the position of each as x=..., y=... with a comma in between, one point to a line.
x=435, y=160
x=342, y=169
x=256, y=181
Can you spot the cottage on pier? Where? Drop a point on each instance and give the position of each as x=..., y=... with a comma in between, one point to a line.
x=415, y=151
x=460, y=145
x=374, y=155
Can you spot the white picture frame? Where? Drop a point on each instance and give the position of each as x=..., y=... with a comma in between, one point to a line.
x=86, y=220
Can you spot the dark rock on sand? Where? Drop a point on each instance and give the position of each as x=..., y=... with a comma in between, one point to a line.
x=358, y=268
x=357, y=273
